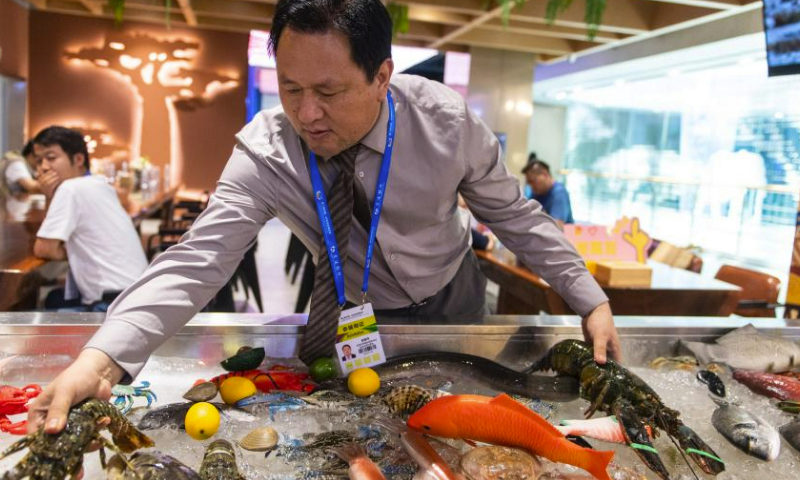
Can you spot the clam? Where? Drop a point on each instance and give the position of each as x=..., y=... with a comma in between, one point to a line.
x=407, y=399
x=202, y=392
x=260, y=440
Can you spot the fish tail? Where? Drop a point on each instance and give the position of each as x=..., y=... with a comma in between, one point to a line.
x=350, y=452
x=598, y=464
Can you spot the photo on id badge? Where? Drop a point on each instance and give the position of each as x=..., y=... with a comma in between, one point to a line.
x=359, y=352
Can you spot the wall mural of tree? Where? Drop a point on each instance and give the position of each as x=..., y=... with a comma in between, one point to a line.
x=163, y=78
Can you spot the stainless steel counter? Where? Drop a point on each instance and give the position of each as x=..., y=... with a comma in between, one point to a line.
x=513, y=340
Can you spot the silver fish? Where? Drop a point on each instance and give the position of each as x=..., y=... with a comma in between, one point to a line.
x=747, y=349
x=748, y=432
x=174, y=414
x=791, y=432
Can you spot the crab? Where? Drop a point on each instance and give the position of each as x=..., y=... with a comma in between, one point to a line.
x=126, y=393
x=14, y=401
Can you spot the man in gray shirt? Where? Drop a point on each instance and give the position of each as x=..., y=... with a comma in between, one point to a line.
x=334, y=69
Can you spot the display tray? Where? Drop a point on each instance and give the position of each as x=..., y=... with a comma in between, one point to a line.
x=47, y=342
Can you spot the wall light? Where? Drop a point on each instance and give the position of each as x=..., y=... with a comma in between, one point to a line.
x=116, y=45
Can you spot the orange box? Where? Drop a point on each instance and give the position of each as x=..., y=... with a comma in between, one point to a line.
x=620, y=273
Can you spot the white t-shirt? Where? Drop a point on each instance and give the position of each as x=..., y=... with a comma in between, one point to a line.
x=103, y=248
x=16, y=171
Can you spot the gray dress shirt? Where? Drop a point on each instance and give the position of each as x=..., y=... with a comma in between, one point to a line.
x=442, y=148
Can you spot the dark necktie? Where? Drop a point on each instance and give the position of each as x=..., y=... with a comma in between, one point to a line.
x=323, y=318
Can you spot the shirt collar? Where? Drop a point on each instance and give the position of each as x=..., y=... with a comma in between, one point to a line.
x=376, y=138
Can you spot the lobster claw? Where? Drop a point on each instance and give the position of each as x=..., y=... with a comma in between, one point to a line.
x=699, y=451
x=637, y=437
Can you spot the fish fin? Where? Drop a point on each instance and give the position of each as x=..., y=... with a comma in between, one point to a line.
x=599, y=464
x=505, y=401
x=350, y=451
x=748, y=329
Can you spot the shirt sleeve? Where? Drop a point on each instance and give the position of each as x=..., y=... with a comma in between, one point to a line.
x=17, y=171
x=495, y=198
x=560, y=207
x=185, y=277
x=62, y=215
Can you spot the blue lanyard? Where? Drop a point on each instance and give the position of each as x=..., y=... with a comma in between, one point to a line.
x=325, y=215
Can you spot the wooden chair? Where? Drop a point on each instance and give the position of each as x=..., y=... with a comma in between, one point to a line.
x=756, y=287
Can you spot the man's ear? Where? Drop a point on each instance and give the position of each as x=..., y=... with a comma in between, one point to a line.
x=79, y=159
x=383, y=77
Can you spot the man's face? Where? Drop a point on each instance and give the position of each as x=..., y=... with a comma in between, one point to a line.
x=346, y=350
x=540, y=181
x=326, y=96
x=53, y=159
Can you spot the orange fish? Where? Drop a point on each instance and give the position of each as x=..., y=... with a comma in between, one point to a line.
x=502, y=421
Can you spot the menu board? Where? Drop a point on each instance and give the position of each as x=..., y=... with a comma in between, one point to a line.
x=782, y=29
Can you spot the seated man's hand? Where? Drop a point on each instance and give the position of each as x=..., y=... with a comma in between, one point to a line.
x=599, y=331
x=48, y=183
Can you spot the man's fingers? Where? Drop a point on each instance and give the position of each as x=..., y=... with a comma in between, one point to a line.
x=57, y=413
x=600, y=343
x=37, y=412
x=615, y=349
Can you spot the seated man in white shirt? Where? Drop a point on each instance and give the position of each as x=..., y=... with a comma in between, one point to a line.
x=85, y=222
x=18, y=172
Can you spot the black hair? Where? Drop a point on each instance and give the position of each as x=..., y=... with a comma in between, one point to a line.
x=534, y=162
x=366, y=24
x=27, y=150
x=71, y=141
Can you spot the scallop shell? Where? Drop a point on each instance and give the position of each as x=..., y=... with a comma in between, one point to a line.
x=407, y=399
x=260, y=440
x=495, y=463
x=202, y=392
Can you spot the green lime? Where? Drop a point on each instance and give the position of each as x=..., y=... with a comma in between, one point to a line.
x=322, y=369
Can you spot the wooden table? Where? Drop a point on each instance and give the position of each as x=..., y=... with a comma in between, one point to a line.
x=673, y=292
x=20, y=219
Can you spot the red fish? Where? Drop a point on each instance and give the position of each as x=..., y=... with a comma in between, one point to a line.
x=769, y=384
x=502, y=421
x=279, y=377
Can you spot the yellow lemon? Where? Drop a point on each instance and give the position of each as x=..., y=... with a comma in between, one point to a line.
x=236, y=388
x=202, y=421
x=363, y=382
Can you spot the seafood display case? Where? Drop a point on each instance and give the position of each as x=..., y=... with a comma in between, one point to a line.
x=45, y=343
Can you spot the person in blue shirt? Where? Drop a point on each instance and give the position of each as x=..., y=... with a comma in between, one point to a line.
x=544, y=189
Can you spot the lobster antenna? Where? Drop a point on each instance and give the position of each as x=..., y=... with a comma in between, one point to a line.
x=680, y=450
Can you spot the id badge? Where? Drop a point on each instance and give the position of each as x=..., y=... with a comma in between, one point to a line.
x=358, y=343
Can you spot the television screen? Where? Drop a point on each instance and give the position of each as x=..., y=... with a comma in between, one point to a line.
x=782, y=28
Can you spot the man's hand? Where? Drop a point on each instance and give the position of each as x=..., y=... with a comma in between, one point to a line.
x=48, y=183
x=598, y=329
x=91, y=375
